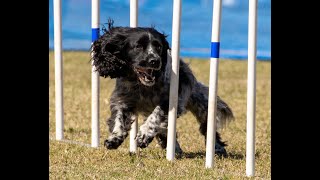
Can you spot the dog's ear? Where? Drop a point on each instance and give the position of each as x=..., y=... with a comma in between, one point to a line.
x=165, y=44
x=165, y=52
x=108, y=54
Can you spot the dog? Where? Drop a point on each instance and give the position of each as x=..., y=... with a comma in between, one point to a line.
x=139, y=58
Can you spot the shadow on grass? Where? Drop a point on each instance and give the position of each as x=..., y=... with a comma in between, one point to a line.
x=191, y=155
x=202, y=155
x=234, y=155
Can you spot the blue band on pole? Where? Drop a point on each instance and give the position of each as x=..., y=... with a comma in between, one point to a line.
x=215, y=46
x=95, y=34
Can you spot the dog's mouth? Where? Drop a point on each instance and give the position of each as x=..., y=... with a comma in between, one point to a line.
x=146, y=75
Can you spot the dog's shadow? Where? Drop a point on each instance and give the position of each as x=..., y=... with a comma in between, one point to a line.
x=202, y=155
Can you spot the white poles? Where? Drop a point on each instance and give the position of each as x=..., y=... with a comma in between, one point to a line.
x=251, y=90
x=95, y=83
x=58, y=68
x=174, y=81
x=213, y=83
x=134, y=126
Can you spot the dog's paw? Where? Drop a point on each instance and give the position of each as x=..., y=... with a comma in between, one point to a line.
x=220, y=150
x=112, y=143
x=162, y=143
x=143, y=140
x=178, y=153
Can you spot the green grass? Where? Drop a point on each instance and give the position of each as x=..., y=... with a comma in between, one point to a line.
x=71, y=161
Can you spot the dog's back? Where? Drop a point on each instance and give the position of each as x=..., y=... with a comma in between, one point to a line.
x=198, y=105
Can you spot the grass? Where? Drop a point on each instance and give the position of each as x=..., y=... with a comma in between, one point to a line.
x=72, y=161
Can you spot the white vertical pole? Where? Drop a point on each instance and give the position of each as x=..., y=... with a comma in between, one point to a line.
x=213, y=83
x=58, y=68
x=95, y=135
x=174, y=81
x=134, y=126
x=251, y=91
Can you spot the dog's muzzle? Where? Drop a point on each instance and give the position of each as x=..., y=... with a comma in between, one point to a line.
x=146, y=75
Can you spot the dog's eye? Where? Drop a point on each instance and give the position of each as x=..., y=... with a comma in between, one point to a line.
x=158, y=47
x=139, y=46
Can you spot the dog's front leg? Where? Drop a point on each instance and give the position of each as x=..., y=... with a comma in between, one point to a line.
x=119, y=124
x=150, y=128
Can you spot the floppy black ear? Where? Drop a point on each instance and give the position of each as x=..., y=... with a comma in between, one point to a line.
x=166, y=49
x=108, y=54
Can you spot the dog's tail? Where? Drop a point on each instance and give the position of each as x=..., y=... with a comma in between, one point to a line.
x=198, y=105
x=224, y=113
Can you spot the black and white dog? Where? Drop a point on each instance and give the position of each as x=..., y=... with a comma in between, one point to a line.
x=139, y=59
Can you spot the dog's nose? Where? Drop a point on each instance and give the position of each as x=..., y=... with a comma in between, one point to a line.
x=154, y=62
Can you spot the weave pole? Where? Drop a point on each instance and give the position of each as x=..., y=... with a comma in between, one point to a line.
x=174, y=80
x=213, y=83
x=95, y=83
x=58, y=68
x=134, y=125
x=251, y=90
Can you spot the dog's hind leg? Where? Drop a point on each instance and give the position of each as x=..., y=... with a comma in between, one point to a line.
x=198, y=105
x=201, y=114
x=219, y=145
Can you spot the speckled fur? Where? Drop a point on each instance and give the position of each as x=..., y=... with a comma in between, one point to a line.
x=113, y=57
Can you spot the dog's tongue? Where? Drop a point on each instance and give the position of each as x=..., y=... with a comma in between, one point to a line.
x=149, y=71
x=148, y=76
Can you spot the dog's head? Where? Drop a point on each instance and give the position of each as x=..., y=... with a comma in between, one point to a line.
x=139, y=53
